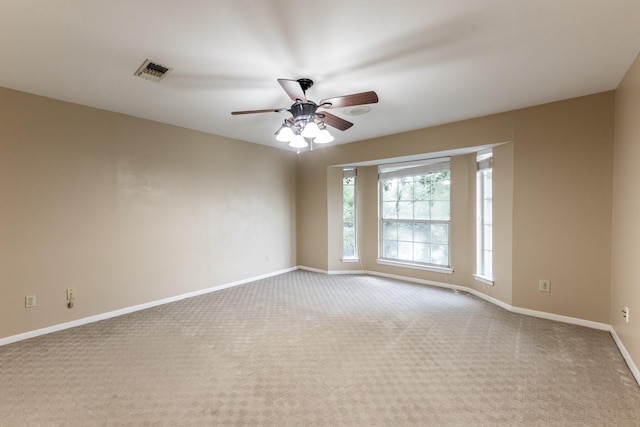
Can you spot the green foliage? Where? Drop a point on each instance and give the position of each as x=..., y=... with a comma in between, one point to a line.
x=415, y=211
x=349, y=217
x=417, y=197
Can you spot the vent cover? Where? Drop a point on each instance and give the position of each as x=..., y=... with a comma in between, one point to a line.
x=152, y=71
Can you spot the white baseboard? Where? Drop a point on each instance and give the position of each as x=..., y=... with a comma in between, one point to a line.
x=127, y=310
x=313, y=270
x=625, y=354
x=525, y=311
x=534, y=313
x=347, y=272
x=564, y=319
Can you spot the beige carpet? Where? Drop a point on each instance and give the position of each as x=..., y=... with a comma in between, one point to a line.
x=307, y=349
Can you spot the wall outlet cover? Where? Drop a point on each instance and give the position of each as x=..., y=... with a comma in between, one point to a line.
x=544, y=285
x=30, y=301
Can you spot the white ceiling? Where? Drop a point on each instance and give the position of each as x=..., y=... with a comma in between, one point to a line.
x=430, y=61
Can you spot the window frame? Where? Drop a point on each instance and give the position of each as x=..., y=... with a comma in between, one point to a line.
x=350, y=172
x=413, y=170
x=484, y=217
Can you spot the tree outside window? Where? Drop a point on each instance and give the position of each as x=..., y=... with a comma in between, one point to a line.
x=415, y=215
x=349, y=247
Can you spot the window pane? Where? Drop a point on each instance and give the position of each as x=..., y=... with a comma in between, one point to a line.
x=348, y=210
x=405, y=232
x=440, y=254
x=488, y=264
x=389, y=190
x=390, y=249
x=440, y=211
x=488, y=187
x=440, y=233
x=421, y=189
x=405, y=210
x=488, y=210
x=405, y=251
x=349, y=247
x=406, y=189
x=440, y=183
x=421, y=210
x=488, y=237
x=421, y=252
x=349, y=217
x=348, y=189
x=421, y=233
x=389, y=210
x=390, y=231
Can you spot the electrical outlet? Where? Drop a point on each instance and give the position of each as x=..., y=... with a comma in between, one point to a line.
x=29, y=301
x=71, y=294
x=625, y=314
x=544, y=285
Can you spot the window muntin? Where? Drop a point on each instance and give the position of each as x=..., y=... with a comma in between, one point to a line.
x=349, y=241
x=484, y=216
x=415, y=214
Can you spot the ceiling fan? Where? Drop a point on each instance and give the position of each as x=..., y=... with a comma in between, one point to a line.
x=306, y=122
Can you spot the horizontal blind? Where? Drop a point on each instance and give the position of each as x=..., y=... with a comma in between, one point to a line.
x=349, y=173
x=486, y=163
x=400, y=170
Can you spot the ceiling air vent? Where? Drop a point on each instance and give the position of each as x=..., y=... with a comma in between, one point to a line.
x=152, y=71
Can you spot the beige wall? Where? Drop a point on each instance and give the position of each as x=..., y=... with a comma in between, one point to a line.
x=625, y=286
x=553, y=214
x=563, y=169
x=129, y=211
x=503, y=220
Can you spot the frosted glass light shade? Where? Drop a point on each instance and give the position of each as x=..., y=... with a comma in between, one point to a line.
x=285, y=134
x=323, y=137
x=298, y=142
x=311, y=130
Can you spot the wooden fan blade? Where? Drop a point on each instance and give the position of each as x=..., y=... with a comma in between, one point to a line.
x=271, y=110
x=333, y=121
x=350, y=100
x=293, y=89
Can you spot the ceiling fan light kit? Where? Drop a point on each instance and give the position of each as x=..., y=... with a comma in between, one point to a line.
x=307, y=125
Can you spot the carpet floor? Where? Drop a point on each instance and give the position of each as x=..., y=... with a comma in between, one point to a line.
x=306, y=349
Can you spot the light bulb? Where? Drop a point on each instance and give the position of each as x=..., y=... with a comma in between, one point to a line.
x=323, y=137
x=311, y=130
x=285, y=134
x=298, y=142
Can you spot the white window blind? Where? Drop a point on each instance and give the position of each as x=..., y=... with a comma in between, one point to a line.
x=401, y=170
x=349, y=173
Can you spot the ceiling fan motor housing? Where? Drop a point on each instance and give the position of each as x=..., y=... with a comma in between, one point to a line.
x=303, y=110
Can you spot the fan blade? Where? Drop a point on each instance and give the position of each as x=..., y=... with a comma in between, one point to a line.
x=333, y=121
x=271, y=110
x=350, y=100
x=293, y=89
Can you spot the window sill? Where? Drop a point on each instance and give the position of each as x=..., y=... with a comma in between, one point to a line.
x=483, y=279
x=350, y=260
x=432, y=268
